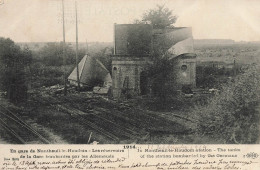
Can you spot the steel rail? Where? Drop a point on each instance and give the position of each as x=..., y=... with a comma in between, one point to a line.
x=85, y=122
x=127, y=132
x=6, y=127
x=90, y=124
x=24, y=124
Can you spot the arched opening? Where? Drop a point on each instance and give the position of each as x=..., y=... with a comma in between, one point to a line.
x=184, y=67
x=143, y=83
x=114, y=77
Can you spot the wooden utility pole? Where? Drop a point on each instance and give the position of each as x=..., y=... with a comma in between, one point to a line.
x=86, y=46
x=63, y=53
x=235, y=72
x=77, y=46
x=114, y=38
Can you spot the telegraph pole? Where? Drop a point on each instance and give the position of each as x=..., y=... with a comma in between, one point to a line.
x=63, y=53
x=86, y=46
x=235, y=72
x=77, y=46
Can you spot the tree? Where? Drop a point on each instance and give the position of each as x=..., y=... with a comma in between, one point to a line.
x=51, y=54
x=161, y=72
x=160, y=17
x=13, y=63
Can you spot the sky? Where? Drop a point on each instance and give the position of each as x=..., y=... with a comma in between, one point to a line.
x=40, y=20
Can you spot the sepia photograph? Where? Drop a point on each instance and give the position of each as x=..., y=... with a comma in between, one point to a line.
x=129, y=72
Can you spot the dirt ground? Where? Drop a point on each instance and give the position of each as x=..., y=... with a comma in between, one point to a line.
x=85, y=118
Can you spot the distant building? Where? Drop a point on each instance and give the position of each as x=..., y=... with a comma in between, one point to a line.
x=216, y=64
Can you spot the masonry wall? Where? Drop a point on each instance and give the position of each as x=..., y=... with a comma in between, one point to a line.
x=133, y=44
x=126, y=73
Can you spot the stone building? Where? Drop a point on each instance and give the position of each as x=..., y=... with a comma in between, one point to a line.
x=133, y=46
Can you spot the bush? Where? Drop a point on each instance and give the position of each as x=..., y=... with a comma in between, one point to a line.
x=212, y=77
x=233, y=115
x=13, y=69
x=48, y=75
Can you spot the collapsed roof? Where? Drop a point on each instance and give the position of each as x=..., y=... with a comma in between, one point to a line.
x=91, y=73
x=179, y=39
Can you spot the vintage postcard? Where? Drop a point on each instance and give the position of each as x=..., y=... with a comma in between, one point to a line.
x=126, y=84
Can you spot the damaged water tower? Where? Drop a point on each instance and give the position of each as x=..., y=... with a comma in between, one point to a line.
x=132, y=48
x=133, y=45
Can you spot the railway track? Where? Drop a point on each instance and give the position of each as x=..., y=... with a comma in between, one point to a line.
x=95, y=120
x=113, y=123
x=137, y=122
x=21, y=131
x=103, y=125
x=78, y=116
x=150, y=118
